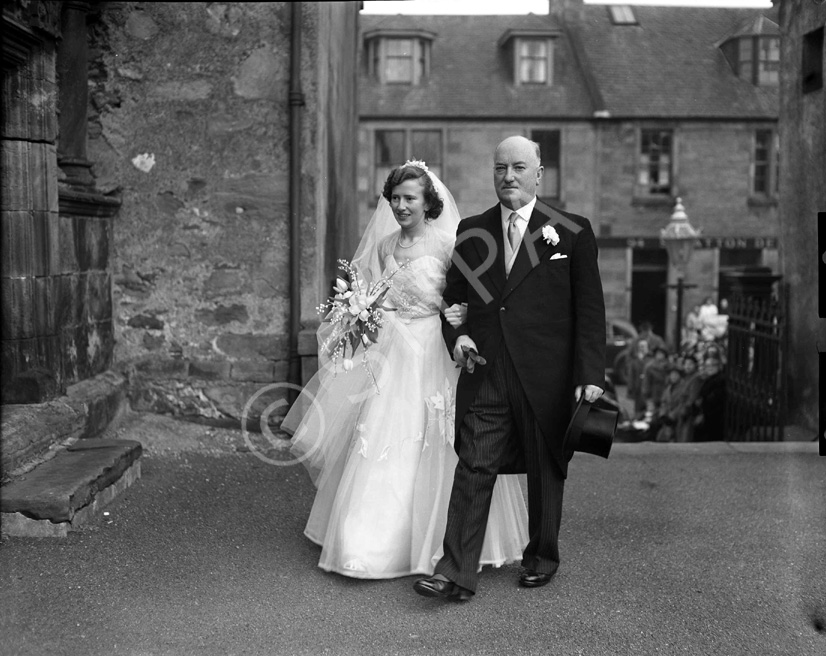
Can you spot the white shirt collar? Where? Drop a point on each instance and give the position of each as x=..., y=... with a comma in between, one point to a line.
x=524, y=212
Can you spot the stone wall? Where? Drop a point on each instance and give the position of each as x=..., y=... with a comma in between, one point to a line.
x=802, y=195
x=190, y=125
x=32, y=259
x=712, y=163
x=56, y=283
x=468, y=166
x=599, y=169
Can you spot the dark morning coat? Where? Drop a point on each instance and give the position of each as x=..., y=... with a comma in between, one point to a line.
x=549, y=313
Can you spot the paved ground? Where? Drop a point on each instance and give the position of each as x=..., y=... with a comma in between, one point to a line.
x=667, y=549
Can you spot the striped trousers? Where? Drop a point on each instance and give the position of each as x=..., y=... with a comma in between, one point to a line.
x=499, y=412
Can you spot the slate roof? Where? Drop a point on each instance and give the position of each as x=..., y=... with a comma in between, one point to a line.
x=470, y=74
x=667, y=66
x=670, y=66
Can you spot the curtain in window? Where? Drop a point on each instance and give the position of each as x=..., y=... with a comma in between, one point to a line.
x=762, y=155
x=399, y=60
x=655, y=161
x=768, y=71
x=533, y=61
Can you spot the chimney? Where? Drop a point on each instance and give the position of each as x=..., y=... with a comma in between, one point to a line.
x=567, y=10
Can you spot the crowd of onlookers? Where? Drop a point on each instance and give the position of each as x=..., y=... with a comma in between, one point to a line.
x=679, y=396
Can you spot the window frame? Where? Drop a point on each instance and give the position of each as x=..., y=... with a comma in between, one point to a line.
x=644, y=190
x=558, y=198
x=811, y=73
x=770, y=164
x=548, y=59
x=378, y=57
x=622, y=15
x=760, y=63
x=408, y=55
x=751, y=66
x=437, y=168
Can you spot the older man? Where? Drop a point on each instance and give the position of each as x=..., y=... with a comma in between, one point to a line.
x=536, y=315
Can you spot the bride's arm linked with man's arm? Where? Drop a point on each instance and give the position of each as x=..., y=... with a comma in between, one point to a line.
x=456, y=333
x=456, y=314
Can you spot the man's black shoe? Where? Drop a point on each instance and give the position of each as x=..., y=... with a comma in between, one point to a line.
x=433, y=587
x=532, y=579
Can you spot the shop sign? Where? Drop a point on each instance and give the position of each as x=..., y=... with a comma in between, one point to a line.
x=728, y=243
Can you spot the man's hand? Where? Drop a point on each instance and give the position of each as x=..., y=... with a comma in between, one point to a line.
x=458, y=354
x=456, y=314
x=592, y=392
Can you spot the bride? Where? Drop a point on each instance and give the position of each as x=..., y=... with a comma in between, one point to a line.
x=377, y=439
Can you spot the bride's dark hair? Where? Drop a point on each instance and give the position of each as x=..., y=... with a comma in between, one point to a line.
x=408, y=172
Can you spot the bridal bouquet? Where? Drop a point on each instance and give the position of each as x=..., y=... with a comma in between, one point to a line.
x=356, y=312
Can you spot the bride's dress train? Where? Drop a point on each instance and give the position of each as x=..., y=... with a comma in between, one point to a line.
x=383, y=462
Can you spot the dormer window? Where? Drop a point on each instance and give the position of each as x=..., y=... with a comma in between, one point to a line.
x=534, y=61
x=396, y=57
x=402, y=63
x=753, y=51
x=532, y=53
x=759, y=60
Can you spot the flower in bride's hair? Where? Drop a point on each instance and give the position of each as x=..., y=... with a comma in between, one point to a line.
x=418, y=164
x=347, y=363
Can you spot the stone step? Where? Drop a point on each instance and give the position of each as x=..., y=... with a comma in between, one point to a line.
x=65, y=492
x=31, y=431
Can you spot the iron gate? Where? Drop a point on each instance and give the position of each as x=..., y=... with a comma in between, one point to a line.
x=755, y=402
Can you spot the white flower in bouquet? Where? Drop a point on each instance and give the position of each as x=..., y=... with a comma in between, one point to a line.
x=357, y=312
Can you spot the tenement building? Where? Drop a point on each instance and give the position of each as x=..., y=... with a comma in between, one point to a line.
x=633, y=107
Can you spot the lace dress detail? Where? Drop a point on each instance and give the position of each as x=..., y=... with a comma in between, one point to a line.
x=383, y=463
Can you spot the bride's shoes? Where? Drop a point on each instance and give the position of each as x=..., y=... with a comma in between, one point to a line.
x=355, y=566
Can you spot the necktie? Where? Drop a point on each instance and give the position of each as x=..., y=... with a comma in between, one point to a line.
x=513, y=231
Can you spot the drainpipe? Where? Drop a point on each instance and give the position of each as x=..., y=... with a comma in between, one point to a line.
x=296, y=101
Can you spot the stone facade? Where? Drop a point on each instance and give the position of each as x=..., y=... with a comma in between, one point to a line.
x=190, y=123
x=57, y=310
x=597, y=181
x=147, y=178
x=802, y=196
x=713, y=162
x=609, y=82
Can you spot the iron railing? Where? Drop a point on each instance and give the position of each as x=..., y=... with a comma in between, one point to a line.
x=755, y=402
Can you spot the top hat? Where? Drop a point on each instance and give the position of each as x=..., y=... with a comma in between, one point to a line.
x=592, y=428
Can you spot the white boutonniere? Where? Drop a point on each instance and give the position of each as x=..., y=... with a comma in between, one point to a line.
x=550, y=235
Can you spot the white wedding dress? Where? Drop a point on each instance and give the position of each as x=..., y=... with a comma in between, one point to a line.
x=383, y=462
